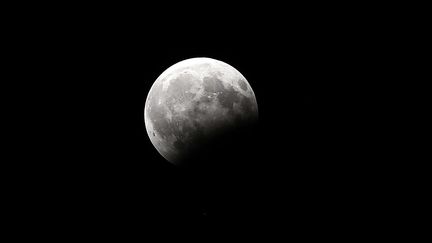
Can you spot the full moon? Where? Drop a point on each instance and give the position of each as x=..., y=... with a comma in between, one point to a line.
x=192, y=102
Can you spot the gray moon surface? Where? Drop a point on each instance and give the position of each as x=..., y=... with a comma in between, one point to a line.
x=191, y=101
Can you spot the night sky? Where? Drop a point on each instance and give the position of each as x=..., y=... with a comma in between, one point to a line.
x=304, y=164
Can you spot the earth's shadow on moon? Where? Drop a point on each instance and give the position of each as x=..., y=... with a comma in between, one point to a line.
x=228, y=148
x=219, y=175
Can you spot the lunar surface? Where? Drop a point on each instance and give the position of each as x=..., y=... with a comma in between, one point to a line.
x=194, y=100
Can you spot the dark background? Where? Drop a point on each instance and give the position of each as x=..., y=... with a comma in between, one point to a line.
x=307, y=167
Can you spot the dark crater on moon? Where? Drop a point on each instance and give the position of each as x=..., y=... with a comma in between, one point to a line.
x=242, y=84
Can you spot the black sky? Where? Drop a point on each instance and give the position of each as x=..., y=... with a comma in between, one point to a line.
x=306, y=164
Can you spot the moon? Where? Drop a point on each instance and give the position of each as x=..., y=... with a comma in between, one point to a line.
x=194, y=100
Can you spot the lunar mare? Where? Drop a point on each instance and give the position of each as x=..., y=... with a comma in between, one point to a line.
x=193, y=100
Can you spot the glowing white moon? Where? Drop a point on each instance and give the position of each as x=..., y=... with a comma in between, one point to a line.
x=192, y=100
